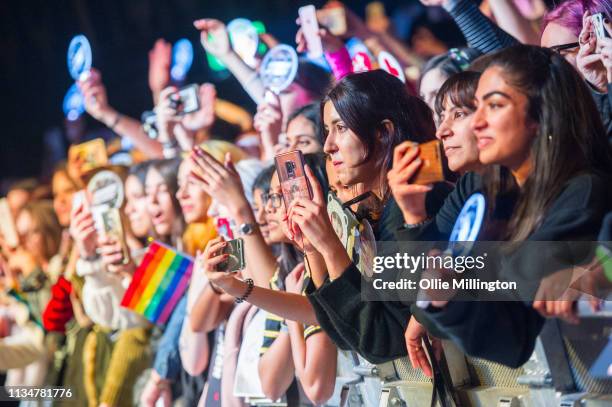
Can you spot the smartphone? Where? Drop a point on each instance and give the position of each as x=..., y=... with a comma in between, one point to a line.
x=334, y=19
x=7, y=225
x=186, y=99
x=598, y=26
x=149, y=124
x=434, y=163
x=290, y=170
x=112, y=227
x=235, y=262
x=310, y=28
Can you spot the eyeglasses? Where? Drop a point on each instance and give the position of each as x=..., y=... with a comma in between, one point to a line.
x=275, y=199
x=564, y=47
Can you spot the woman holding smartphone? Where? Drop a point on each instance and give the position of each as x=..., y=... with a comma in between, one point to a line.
x=535, y=118
x=281, y=295
x=365, y=116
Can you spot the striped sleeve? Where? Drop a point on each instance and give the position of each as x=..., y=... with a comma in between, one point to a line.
x=273, y=324
x=479, y=31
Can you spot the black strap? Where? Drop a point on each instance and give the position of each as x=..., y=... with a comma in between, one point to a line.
x=441, y=381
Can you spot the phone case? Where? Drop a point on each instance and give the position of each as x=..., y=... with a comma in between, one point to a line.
x=432, y=169
x=235, y=262
x=598, y=25
x=189, y=100
x=310, y=27
x=112, y=227
x=290, y=169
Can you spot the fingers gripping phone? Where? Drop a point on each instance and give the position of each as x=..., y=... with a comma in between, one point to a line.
x=186, y=99
x=235, y=262
x=433, y=167
x=598, y=26
x=290, y=170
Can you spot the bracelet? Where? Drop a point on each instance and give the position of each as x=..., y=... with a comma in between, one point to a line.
x=215, y=289
x=250, y=285
x=115, y=122
x=416, y=225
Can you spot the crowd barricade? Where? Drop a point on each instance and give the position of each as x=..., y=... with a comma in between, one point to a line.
x=557, y=374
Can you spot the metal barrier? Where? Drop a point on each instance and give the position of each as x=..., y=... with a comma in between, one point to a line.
x=557, y=374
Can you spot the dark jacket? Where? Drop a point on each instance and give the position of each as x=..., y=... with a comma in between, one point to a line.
x=506, y=331
x=374, y=329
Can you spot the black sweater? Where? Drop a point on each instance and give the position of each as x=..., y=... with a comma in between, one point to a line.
x=505, y=332
x=374, y=329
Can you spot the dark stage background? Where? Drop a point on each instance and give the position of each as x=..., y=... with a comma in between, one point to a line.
x=34, y=36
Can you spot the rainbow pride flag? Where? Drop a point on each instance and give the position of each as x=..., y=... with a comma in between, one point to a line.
x=159, y=282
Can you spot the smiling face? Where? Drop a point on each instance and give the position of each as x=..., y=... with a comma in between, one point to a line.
x=136, y=207
x=193, y=200
x=455, y=132
x=159, y=203
x=346, y=151
x=500, y=122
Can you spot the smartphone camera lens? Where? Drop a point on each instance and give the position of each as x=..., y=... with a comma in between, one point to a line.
x=290, y=167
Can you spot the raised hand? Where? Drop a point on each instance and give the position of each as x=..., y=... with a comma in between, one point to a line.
x=214, y=37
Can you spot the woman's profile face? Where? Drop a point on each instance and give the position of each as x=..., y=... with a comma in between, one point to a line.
x=159, y=203
x=430, y=84
x=345, y=150
x=302, y=135
x=503, y=132
x=30, y=234
x=275, y=213
x=193, y=200
x=136, y=207
x=259, y=207
x=555, y=34
x=63, y=190
x=457, y=136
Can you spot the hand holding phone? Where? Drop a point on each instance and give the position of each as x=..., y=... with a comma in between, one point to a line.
x=598, y=26
x=235, y=261
x=310, y=28
x=112, y=228
x=433, y=168
x=186, y=100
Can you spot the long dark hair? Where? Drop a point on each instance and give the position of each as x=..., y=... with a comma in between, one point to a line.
x=168, y=169
x=365, y=100
x=570, y=137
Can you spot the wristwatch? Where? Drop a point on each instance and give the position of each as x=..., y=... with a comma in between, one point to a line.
x=247, y=229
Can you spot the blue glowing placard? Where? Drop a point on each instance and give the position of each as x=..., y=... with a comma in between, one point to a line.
x=467, y=226
x=79, y=57
x=74, y=103
x=182, y=59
